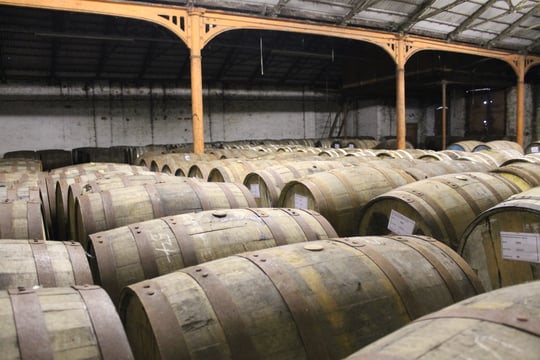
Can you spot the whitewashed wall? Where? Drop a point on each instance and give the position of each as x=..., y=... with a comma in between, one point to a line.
x=37, y=116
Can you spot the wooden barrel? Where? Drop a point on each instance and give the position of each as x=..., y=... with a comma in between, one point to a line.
x=201, y=169
x=499, y=145
x=403, y=153
x=493, y=158
x=316, y=300
x=340, y=194
x=21, y=154
x=464, y=145
x=523, y=174
x=176, y=161
x=500, y=324
x=333, y=152
x=171, y=243
x=54, y=158
x=236, y=170
x=21, y=219
x=360, y=143
x=234, y=153
x=69, y=172
x=530, y=158
x=22, y=178
x=42, y=263
x=19, y=192
x=533, y=147
x=501, y=243
x=391, y=144
x=266, y=184
x=20, y=164
x=68, y=189
x=442, y=155
x=78, y=322
x=112, y=208
x=429, y=169
x=177, y=164
x=441, y=206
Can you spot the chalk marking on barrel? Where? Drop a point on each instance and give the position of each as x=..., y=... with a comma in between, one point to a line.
x=164, y=239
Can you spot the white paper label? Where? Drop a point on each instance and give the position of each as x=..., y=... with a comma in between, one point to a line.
x=399, y=224
x=520, y=246
x=254, y=188
x=300, y=201
x=534, y=149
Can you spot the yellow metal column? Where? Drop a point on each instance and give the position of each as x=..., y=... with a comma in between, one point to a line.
x=195, y=47
x=400, y=94
x=520, y=101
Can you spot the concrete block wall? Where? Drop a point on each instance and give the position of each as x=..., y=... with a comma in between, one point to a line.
x=38, y=116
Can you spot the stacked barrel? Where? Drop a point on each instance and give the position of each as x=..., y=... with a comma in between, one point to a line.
x=319, y=249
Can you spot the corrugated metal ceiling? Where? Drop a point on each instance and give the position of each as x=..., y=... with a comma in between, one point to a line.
x=506, y=24
x=57, y=46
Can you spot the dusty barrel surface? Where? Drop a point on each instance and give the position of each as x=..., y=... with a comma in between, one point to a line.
x=112, y=208
x=172, y=162
x=493, y=158
x=266, y=184
x=441, y=206
x=441, y=155
x=320, y=300
x=499, y=145
x=340, y=194
x=430, y=168
x=78, y=322
x=501, y=243
x=20, y=164
x=140, y=251
x=43, y=263
x=522, y=173
x=73, y=171
x=236, y=170
x=21, y=219
x=66, y=204
x=464, y=145
x=500, y=324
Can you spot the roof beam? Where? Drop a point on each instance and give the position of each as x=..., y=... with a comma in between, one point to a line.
x=470, y=19
x=509, y=30
x=441, y=10
x=533, y=46
x=276, y=10
x=357, y=6
x=415, y=17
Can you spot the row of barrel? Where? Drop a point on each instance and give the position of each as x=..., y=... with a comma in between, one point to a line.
x=55, y=158
x=356, y=289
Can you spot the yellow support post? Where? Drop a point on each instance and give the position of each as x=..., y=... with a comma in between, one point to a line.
x=195, y=46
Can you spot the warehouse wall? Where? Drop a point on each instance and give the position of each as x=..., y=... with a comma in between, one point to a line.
x=37, y=116
x=66, y=116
